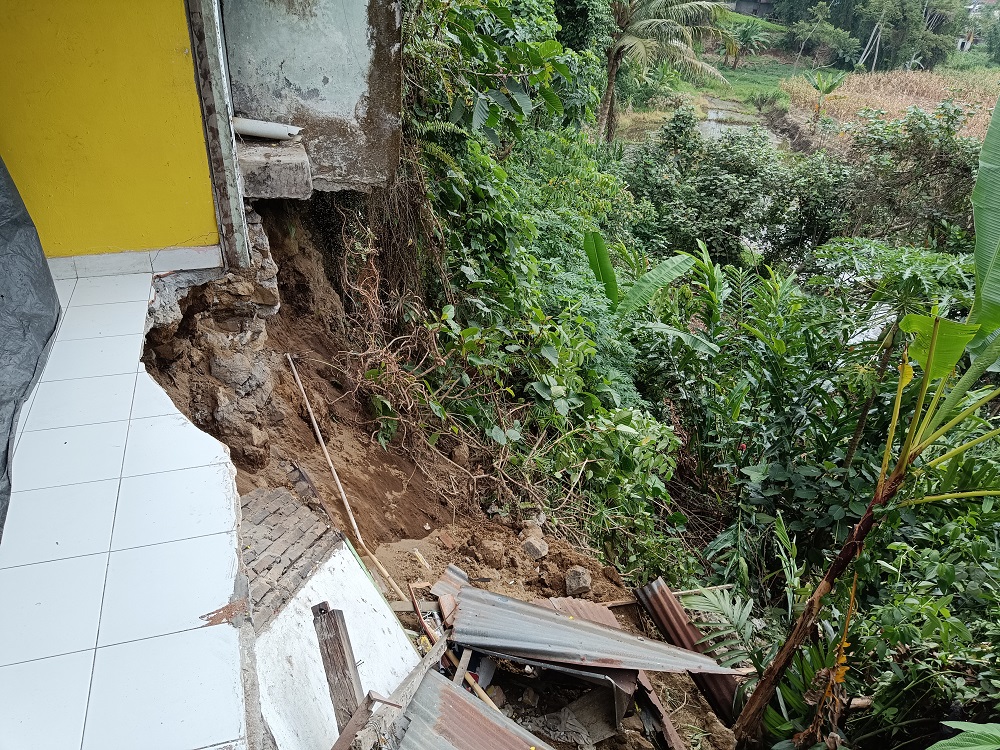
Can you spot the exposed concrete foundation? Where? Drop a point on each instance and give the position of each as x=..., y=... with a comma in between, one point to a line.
x=275, y=170
x=331, y=67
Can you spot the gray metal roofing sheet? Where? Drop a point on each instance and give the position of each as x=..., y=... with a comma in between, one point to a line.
x=500, y=624
x=443, y=716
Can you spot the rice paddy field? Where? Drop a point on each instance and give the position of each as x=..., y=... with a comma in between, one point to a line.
x=896, y=91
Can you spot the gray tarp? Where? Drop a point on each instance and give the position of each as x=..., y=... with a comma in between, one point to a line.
x=29, y=310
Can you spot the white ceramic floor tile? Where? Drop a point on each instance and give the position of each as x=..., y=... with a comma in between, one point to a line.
x=44, y=702
x=64, y=288
x=113, y=264
x=151, y=400
x=186, y=258
x=22, y=416
x=50, y=608
x=102, y=290
x=69, y=403
x=62, y=268
x=161, y=444
x=95, y=321
x=69, y=455
x=58, y=522
x=155, y=508
x=175, y=692
x=87, y=358
x=166, y=588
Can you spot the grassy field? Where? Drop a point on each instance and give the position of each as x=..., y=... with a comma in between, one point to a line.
x=894, y=92
x=758, y=74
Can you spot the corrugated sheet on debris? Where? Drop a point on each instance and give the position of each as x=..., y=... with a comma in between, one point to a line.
x=582, y=608
x=499, y=624
x=442, y=716
x=672, y=621
x=453, y=579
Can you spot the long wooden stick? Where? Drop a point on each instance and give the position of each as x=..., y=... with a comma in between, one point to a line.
x=340, y=487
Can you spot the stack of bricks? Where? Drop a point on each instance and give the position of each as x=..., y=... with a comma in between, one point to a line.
x=282, y=543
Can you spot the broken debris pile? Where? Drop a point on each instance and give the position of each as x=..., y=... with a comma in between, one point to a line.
x=561, y=668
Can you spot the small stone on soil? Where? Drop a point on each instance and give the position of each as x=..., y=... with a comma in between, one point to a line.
x=535, y=547
x=578, y=581
x=529, y=697
x=491, y=553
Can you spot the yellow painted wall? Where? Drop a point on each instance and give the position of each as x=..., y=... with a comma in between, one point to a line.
x=100, y=124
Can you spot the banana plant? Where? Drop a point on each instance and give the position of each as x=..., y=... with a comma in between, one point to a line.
x=645, y=287
x=920, y=443
x=825, y=84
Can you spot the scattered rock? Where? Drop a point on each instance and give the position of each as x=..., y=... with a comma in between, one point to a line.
x=632, y=722
x=529, y=697
x=530, y=529
x=495, y=692
x=535, y=547
x=491, y=553
x=612, y=575
x=578, y=581
x=460, y=455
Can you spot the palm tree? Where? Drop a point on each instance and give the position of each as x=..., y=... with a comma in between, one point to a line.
x=650, y=30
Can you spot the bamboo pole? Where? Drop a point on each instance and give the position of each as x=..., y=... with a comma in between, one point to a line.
x=340, y=487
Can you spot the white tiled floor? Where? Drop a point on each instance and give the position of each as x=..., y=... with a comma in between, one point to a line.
x=119, y=539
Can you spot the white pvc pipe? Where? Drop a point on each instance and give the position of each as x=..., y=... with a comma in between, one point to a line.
x=275, y=131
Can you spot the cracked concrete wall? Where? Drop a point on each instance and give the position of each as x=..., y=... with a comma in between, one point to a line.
x=332, y=67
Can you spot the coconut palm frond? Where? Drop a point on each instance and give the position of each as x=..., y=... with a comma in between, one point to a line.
x=642, y=50
x=682, y=11
x=682, y=59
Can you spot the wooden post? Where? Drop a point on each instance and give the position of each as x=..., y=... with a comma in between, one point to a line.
x=338, y=661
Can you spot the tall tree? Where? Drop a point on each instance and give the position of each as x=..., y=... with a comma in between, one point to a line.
x=647, y=31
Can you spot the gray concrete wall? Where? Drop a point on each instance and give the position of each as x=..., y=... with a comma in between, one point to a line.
x=331, y=67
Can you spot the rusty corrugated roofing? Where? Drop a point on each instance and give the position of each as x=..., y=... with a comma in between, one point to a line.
x=499, y=624
x=671, y=619
x=443, y=716
x=582, y=608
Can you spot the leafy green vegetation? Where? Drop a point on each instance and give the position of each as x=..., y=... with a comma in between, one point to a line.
x=711, y=360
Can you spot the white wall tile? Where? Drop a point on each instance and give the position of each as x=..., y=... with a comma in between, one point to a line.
x=113, y=264
x=186, y=258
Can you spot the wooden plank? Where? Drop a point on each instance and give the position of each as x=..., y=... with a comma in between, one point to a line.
x=356, y=723
x=463, y=666
x=382, y=722
x=338, y=661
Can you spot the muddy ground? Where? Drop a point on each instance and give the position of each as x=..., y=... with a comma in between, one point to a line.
x=402, y=502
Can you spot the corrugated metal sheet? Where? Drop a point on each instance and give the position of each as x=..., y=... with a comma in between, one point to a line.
x=451, y=581
x=595, y=612
x=442, y=716
x=671, y=619
x=582, y=608
x=499, y=624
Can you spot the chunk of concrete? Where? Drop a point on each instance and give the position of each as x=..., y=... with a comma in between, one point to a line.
x=578, y=581
x=274, y=170
x=535, y=547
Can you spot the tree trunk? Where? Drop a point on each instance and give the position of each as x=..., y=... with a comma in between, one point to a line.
x=747, y=729
x=605, y=112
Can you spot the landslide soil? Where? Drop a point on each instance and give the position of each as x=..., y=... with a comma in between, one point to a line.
x=401, y=505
